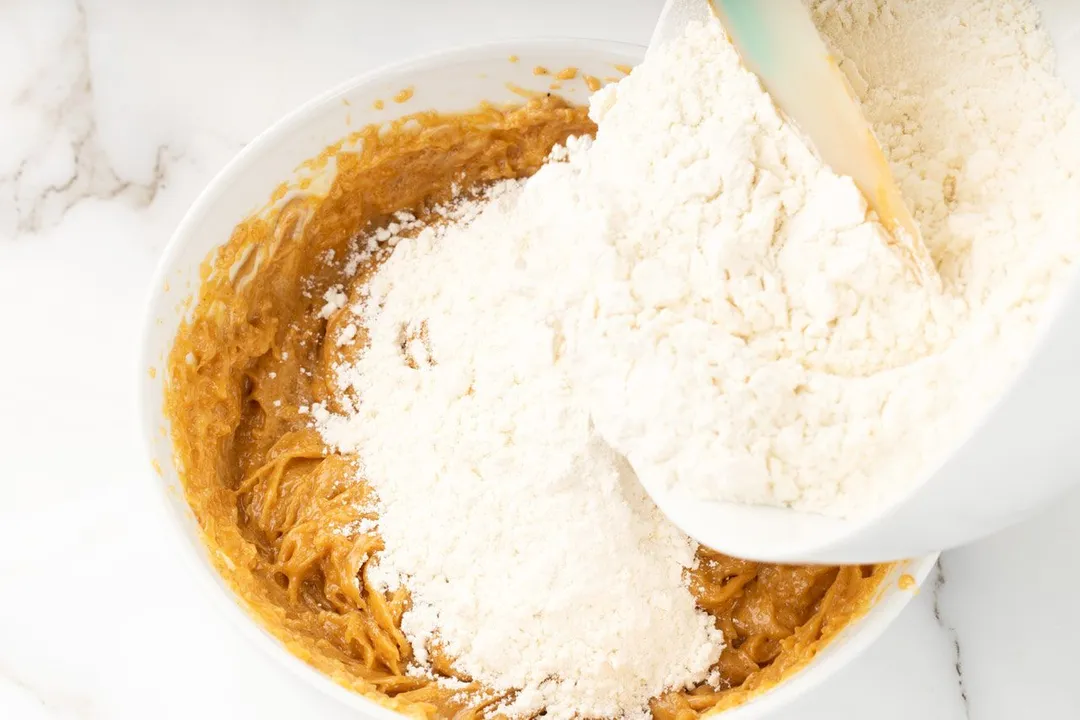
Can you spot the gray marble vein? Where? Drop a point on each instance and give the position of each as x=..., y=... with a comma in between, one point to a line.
x=50, y=699
x=61, y=93
x=942, y=621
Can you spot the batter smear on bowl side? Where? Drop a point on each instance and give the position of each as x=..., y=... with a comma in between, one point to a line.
x=408, y=413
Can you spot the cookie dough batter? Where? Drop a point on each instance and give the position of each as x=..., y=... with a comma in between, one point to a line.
x=281, y=516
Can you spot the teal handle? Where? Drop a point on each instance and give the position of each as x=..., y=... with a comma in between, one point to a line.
x=744, y=20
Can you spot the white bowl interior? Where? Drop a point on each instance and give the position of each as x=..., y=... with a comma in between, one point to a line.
x=456, y=80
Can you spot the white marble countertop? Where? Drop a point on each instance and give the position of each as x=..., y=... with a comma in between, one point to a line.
x=113, y=115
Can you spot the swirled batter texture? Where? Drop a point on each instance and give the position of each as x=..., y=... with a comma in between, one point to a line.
x=281, y=513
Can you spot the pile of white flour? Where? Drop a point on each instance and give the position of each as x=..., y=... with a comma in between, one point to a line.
x=693, y=295
x=532, y=554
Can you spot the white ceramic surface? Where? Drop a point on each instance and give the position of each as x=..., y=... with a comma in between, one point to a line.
x=448, y=81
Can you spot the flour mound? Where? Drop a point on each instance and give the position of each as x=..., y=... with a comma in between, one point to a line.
x=533, y=557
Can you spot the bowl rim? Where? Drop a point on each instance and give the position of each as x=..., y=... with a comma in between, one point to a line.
x=868, y=629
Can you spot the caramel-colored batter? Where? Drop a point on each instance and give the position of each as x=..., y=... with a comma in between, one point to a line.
x=276, y=505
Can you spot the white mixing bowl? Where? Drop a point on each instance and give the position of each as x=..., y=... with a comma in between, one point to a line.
x=456, y=80
x=1021, y=455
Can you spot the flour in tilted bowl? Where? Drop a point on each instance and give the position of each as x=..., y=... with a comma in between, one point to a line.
x=695, y=297
x=746, y=337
